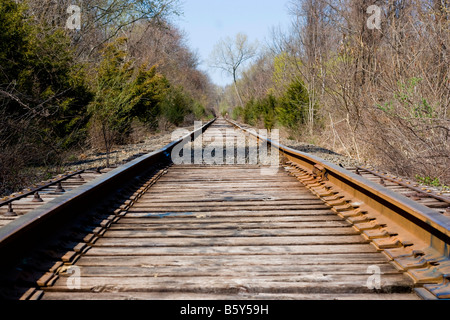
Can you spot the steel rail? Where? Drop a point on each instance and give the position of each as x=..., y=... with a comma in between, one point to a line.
x=29, y=228
x=420, y=224
x=406, y=184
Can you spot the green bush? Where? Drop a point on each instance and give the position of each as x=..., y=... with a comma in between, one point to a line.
x=41, y=82
x=111, y=108
x=198, y=110
x=175, y=106
x=237, y=113
x=293, y=107
x=150, y=89
x=290, y=110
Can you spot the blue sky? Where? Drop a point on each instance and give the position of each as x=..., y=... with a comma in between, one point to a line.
x=205, y=22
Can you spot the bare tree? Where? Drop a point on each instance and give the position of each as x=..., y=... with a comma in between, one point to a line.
x=230, y=55
x=101, y=20
x=384, y=92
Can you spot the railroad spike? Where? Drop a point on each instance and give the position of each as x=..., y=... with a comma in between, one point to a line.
x=59, y=188
x=10, y=212
x=37, y=198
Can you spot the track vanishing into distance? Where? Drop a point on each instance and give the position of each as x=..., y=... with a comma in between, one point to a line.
x=152, y=229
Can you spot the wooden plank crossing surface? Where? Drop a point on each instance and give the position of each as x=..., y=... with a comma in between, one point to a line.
x=228, y=232
x=274, y=242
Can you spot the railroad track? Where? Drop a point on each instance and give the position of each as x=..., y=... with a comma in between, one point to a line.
x=22, y=202
x=152, y=229
x=430, y=198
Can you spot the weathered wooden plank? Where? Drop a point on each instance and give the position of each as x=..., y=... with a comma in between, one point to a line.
x=209, y=193
x=217, y=297
x=168, y=233
x=228, y=260
x=237, y=198
x=295, y=221
x=222, y=190
x=144, y=229
x=312, y=283
x=153, y=216
x=175, y=170
x=262, y=250
x=209, y=240
x=260, y=207
x=224, y=206
x=249, y=271
x=229, y=188
x=150, y=203
x=219, y=178
x=230, y=184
